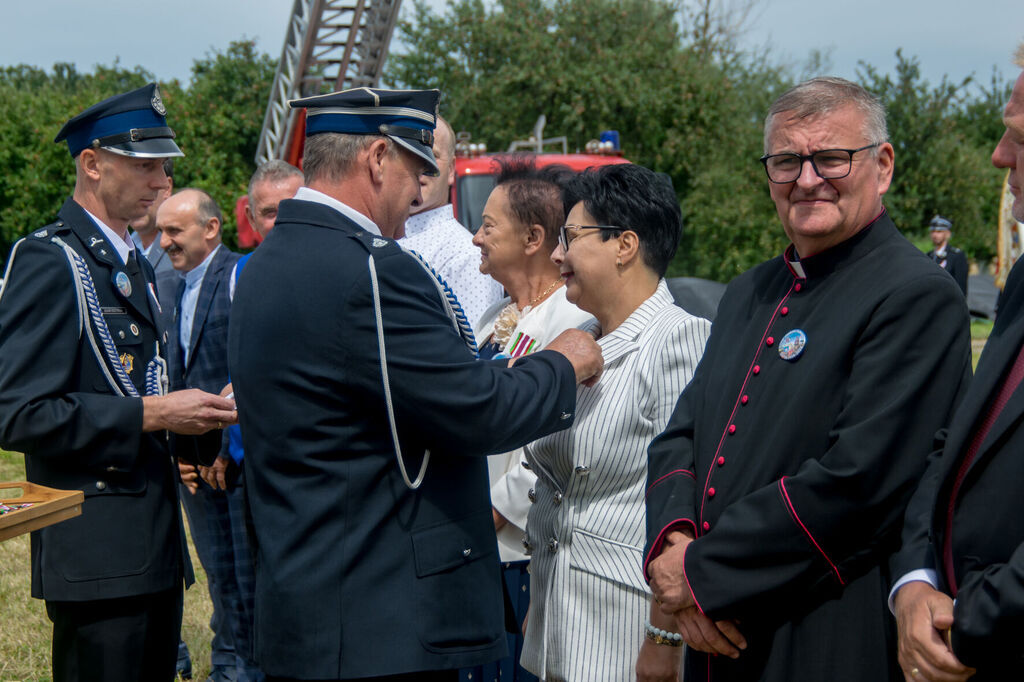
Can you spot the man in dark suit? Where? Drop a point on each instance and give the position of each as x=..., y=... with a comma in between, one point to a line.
x=190, y=228
x=93, y=416
x=949, y=258
x=960, y=603
x=355, y=375
x=146, y=234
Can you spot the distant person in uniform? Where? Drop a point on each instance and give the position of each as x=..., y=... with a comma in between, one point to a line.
x=949, y=258
x=83, y=377
x=777, y=491
x=433, y=232
x=367, y=416
x=959, y=600
x=146, y=234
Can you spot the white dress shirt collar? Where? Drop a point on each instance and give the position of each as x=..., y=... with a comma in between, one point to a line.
x=123, y=245
x=307, y=194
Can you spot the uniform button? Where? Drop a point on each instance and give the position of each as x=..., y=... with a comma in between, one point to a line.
x=770, y=341
x=784, y=311
x=707, y=526
x=558, y=497
x=732, y=429
x=466, y=552
x=582, y=470
x=532, y=495
x=721, y=461
x=744, y=400
x=553, y=545
x=101, y=485
x=711, y=492
x=798, y=287
x=757, y=369
x=565, y=415
x=121, y=334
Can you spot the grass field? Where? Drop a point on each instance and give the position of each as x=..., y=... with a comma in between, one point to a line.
x=25, y=633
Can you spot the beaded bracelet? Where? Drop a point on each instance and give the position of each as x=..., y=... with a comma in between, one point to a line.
x=659, y=636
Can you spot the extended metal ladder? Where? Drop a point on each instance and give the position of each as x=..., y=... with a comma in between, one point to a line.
x=330, y=45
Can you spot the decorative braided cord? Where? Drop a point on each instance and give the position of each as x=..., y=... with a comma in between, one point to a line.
x=411, y=485
x=452, y=307
x=156, y=370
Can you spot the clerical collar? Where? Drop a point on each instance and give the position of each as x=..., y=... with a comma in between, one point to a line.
x=826, y=261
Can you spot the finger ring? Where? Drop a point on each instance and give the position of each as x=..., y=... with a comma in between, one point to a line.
x=915, y=672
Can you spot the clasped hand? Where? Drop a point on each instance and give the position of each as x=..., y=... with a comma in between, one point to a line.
x=668, y=584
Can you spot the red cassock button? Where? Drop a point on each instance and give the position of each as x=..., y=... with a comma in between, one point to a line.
x=785, y=310
x=770, y=340
x=711, y=492
x=757, y=369
x=707, y=526
x=732, y=428
x=744, y=400
x=798, y=287
x=721, y=461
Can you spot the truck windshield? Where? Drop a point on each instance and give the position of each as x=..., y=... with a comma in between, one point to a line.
x=473, y=191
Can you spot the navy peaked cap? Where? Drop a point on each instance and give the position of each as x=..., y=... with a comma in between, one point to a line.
x=407, y=117
x=940, y=223
x=130, y=124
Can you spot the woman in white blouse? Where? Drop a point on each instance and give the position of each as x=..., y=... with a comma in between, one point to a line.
x=520, y=229
x=590, y=606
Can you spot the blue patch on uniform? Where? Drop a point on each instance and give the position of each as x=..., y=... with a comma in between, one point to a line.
x=124, y=285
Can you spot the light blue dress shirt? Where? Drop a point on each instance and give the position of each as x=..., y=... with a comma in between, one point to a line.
x=187, y=308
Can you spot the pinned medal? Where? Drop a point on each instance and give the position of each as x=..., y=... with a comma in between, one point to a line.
x=127, y=361
x=135, y=329
x=792, y=344
x=124, y=285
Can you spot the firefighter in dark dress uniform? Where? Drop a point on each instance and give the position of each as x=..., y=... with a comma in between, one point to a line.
x=949, y=258
x=83, y=395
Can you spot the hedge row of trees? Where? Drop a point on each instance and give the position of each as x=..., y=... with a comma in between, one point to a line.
x=668, y=76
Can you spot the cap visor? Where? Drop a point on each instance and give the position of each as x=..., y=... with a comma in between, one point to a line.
x=153, y=148
x=422, y=151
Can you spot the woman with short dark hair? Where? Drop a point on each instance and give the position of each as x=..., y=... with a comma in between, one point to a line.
x=590, y=605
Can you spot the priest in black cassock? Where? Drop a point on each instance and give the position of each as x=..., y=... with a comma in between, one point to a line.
x=776, y=492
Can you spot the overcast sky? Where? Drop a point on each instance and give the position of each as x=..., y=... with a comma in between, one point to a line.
x=950, y=37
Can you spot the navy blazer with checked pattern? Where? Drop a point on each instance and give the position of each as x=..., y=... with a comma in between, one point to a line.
x=207, y=367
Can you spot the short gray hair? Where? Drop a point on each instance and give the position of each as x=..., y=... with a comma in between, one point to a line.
x=274, y=170
x=206, y=207
x=329, y=156
x=820, y=96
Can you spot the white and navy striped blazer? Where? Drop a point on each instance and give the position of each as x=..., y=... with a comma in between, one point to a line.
x=586, y=527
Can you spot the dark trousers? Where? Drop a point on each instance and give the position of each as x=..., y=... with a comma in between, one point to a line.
x=217, y=522
x=132, y=638
x=426, y=676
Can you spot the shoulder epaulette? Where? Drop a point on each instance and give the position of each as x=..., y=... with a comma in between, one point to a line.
x=375, y=244
x=46, y=232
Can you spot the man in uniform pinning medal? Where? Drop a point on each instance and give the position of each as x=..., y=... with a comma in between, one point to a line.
x=95, y=416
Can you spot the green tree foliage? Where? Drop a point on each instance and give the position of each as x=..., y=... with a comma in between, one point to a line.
x=591, y=65
x=688, y=102
x=942, y=161
x=217, y=120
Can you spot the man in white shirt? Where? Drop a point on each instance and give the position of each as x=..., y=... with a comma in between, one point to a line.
x=433, y=232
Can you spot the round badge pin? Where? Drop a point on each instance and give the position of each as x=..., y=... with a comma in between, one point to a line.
x=135, y=329
x=124, y=285
x=792, y=344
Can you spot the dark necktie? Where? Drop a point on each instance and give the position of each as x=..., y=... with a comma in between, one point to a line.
x=1009, y=385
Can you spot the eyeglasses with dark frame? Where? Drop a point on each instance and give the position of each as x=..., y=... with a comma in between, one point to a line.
x=828, y=164
x=563, y=232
